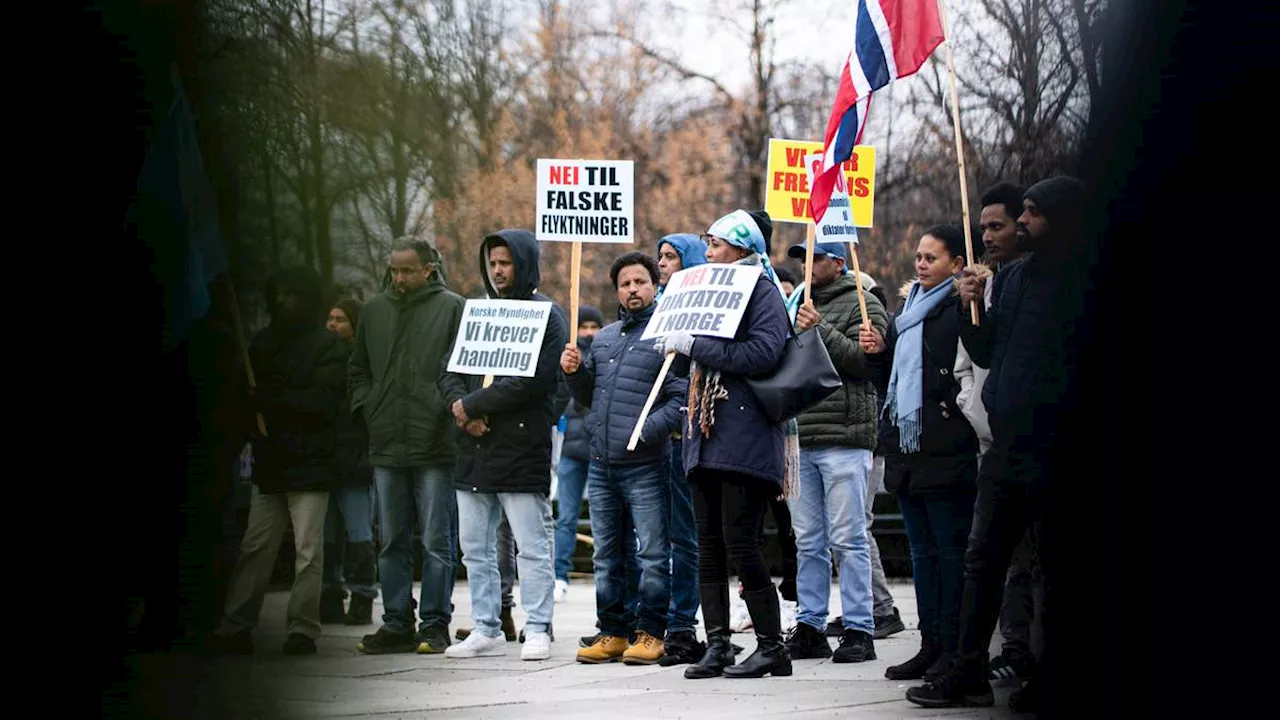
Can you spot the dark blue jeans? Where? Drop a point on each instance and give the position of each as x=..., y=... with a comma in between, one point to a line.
x=684, y=548
x=938, y=524
x=640, y=494
x=571, y=481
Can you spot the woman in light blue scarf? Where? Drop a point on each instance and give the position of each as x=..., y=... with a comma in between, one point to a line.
x=930, y=448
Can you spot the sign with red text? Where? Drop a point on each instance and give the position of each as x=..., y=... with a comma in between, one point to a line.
x=706, y=299
x=787, y=182
x=586, y=201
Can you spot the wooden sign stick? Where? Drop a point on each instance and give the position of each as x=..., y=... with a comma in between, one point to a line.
x=955, y=117
x=574, y=279
x=808, y=263
x=857, y=275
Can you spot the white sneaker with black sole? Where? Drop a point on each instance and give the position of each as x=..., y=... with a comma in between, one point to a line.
x=477, y=645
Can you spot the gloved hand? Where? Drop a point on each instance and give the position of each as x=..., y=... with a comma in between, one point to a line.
x=681, y=342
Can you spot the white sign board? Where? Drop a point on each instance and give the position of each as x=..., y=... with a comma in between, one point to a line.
x=500, y=337
x=704, y=300
x=586, y=201
x=836, y=224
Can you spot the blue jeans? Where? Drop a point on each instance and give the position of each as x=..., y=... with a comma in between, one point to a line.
x=640, y=493
x=830, y=514
x=571, y=481
x=430, y=490
x=529, y=515
x=938, y=525
x=350, y=506
x=684, y=548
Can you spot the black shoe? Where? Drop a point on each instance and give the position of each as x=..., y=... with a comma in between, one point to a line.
x=298, y=644
x=240, y=643
x=715, y=615
x=771, y=656
x=432, y=640
x=331, y=610
x=384, y=641
x=835, y=628
x=587, y=641
x=915, y=668
x=360, y=611
x=887, y=625
x=959, y=686
x=1026, y=700
x=681, y=648
x=806, y=642
x=855, y=646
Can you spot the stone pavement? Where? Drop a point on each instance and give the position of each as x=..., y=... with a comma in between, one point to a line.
x=340, y=682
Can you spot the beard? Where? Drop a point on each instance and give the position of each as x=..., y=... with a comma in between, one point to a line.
x=1023, y=242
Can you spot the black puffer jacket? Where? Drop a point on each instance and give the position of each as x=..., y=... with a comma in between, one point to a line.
x=301, y=372
x=515, y=455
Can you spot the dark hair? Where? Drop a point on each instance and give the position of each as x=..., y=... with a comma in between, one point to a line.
x=633, y=258
x=951, y=236
x=785, y=275
x=879, y=293
x=1006, y=194
x=426, y=250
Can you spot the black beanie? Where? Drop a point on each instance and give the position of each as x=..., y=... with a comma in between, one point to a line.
x=766, y=228
x=351, y=307
x=587, y=313
x=1062, y=199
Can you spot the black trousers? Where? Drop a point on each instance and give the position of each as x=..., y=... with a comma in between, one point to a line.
x=728, y=509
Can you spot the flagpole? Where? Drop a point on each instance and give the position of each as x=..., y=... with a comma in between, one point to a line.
x=955, y=117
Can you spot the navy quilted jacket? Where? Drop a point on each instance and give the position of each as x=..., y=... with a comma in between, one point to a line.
x=613, y=382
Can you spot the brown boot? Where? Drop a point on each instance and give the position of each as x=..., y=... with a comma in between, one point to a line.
x=606, y=649
x=646, y=650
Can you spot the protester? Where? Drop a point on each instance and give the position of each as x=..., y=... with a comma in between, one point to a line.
x=299, y=366
x=1026, y=341
x=837, y=437
x=736, y=459
x=350, y=505
x=505, y=462
x=931, y=450
x=614, y=380
x=402, y=343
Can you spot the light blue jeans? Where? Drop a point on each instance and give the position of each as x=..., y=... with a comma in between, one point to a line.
x=529, y=515
x=830, y=514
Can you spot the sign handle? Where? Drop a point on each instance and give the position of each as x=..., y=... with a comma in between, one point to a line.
x=488, y=380
x=648, y=404
x=857, y=275
x=808, y=262
x=574, y=279
x=955, y=117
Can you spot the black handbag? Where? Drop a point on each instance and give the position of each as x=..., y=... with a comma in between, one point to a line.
x=804, y=377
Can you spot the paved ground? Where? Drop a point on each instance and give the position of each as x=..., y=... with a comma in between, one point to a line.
x=340, y=682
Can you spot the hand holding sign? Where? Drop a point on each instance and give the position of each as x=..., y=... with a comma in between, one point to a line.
x=570, y=360
x=807, y=317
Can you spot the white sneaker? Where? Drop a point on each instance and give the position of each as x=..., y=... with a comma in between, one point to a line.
x=537, y=646
x=562, y=589
x=477, y=645
x=787, y=614
x=740, y=619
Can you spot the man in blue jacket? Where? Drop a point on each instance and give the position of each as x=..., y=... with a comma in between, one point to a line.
x=613, y=381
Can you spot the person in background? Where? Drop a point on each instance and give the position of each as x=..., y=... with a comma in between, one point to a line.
x=350, y=505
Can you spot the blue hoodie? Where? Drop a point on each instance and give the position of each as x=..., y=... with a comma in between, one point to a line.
x=690, y=247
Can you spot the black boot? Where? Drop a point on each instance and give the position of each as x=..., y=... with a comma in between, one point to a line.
x=715, y=614
x=331, y=610
x=360, y=612
x=915, y=668
x=771, y=656
x=945, y=660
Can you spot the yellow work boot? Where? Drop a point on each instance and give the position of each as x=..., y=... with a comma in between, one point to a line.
x=607, y=648
x=646, y=650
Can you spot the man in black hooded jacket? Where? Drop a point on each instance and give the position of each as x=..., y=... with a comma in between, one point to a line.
x=504, y=462
x=301, y=371
x=1026, y=340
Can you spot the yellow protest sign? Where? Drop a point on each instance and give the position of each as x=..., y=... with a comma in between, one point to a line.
x=786, y=196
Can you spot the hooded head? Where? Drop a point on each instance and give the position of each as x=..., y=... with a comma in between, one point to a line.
x=1053, y=214
x=295, y=298
x=589, y=314
x=512, y=272
x=689, y=249
x=344, y=316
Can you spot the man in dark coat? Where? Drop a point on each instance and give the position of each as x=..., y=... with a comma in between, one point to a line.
x=300, y=368
x=504, y=464
x=1026, y=341
x=613, y=380
x=402, y=344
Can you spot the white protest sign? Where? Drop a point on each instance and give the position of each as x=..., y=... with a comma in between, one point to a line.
x=836, y=223
x=586, y=201
x=704, y=300
x=500, y=337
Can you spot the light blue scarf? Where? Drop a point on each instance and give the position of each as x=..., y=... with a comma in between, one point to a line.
x=906, y=384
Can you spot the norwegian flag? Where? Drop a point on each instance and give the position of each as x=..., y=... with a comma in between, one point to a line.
x=892, y=39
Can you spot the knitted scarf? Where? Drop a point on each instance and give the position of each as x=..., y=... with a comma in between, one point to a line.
x=905, y=397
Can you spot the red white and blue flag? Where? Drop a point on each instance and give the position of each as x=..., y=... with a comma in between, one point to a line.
x=892, y=39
